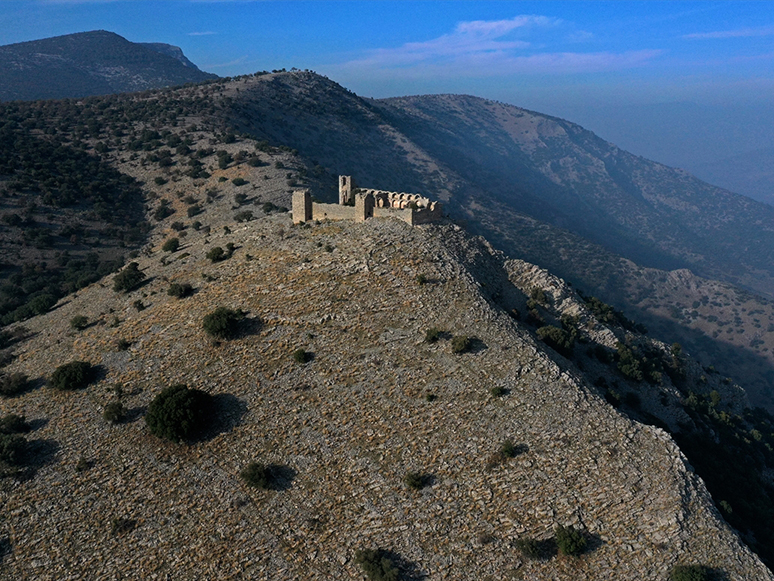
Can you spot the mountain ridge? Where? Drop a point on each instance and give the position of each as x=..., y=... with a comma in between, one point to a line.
x=90, y=63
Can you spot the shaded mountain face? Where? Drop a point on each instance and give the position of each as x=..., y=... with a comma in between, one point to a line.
x=90, y=63
x=486, y=157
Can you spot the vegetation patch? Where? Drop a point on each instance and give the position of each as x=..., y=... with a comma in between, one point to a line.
x=460, y=344
x=73, y=375
x=12, y=384
x=129, y=278
x=180, y=290
x=570, y=541
x=178, y=413
x=257, y=475
x=223, y=323
x=377, y=565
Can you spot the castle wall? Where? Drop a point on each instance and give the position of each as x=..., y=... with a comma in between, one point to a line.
x=407, y=215
x=432, y=213
x=332, y=212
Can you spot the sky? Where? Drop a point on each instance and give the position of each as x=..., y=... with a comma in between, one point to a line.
x=630, y=71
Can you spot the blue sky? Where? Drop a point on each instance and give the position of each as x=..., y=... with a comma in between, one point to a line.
x=587, y=61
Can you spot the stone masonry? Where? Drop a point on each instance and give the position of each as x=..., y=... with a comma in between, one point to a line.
x=357, y=204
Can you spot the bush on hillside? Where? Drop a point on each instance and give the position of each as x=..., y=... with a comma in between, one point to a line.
x=570, y=541
x=129, y=278
x=432, y=335
x=79, y=322
x=178, y=413
x=171, y=245
x=114, y=412
x=377, y=565
x=73, y=375
x=558, y=339
x=301, y=356
x=180, y=290
x=13, y=449
x=13, y=384
x=14, y=424
x=257, y=475
x=460, y=343
x=223, y=323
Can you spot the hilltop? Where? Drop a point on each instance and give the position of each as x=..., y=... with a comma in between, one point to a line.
x=348, y=425
x=90, y=63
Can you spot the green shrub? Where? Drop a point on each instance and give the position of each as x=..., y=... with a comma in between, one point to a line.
x=180, y=290
x=178, y=413
x=558, y=339
x=301, y=356
x=498, y=391
x=194, y=210
x=79, y=322
x=570, y=541
x=223, y=323
x=13, y=449
x=73, y=375
x=528, y=547
x=114, y=412
x=688, y=573
x=13, y=384
x=129, y=278
x=432, y=335
x=421, y=279
x=139, y=305
x=14, y=424
x=239, y=181
x=257, y=475
x=377, y=565
x=508, y=449
x=217, y=254
x=244, y=216
x=171, y=245
x=460, y=344
x=415, y=480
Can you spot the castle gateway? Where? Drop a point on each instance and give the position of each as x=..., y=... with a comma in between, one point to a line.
x=359, y=204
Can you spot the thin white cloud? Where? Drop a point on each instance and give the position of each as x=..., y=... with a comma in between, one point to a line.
x=482, y=48
x=737, y=33
x=240, y=61
x=204, y=33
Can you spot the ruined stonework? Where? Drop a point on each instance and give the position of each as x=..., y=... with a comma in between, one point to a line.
x=358, y=205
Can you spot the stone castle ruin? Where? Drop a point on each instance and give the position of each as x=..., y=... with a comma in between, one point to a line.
x=358, y=205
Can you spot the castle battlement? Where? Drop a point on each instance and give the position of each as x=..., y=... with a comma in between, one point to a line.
x=360, y=204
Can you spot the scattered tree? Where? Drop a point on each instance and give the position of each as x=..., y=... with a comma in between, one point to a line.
x=73, y=375
x=178, y=413
x=223, y=323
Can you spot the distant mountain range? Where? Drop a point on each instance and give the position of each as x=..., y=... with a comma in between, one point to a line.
x=90, y=63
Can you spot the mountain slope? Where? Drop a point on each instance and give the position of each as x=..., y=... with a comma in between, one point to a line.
x=345, y=427
x=89, y=63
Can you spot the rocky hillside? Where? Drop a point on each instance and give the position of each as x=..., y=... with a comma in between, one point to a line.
x=376, y=400
x=90, y=63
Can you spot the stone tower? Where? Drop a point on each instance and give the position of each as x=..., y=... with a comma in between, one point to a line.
x=302, y=206
x=346, y=190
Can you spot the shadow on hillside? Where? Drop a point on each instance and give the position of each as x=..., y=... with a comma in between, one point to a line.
x=133, y=414
x=249, y=326
x=227, y=413
x=281, y=477
x=37, y=424
x=477, y=345
x=5, y=548
x=38, y=453
x=409, y=571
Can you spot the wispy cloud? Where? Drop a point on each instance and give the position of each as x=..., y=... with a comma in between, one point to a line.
x=204, y=33
x=736, y=33
x=240, y=61
x=483, y=48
